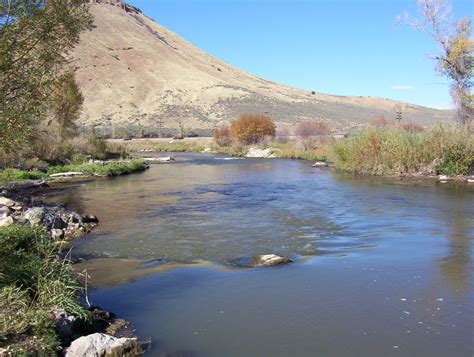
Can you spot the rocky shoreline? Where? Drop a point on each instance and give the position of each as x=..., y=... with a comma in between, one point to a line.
x=104, y=334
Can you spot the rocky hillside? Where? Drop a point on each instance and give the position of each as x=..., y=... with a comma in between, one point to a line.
x=138, y=77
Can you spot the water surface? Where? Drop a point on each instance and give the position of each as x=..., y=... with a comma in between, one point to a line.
x=382, y=267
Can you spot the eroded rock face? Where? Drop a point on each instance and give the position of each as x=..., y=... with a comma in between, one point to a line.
x=100, y=344
x=268, y=260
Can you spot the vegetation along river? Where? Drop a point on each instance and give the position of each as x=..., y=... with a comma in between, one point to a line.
x=381, y=267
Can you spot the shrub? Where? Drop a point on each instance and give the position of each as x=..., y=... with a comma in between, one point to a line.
x=312, y=133
x=252, y=128
x=390, y=150
x=222, y=136
x=382, y=122
x=307, y=129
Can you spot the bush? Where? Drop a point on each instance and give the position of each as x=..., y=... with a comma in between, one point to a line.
x=252, y=128
x=222, y=136
x=388, y=151
x=312, y=133
x=33, y=281
x=307, y=129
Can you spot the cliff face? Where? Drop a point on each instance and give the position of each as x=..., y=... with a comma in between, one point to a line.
x=136, y=75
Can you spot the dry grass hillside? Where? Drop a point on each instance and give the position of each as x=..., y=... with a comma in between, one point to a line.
x=136, y=75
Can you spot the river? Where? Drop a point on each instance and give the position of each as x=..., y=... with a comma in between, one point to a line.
x=382, y=267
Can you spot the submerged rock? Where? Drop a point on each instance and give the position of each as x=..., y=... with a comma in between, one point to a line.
x=268, y=260
x=260, y=153
x=100, y=344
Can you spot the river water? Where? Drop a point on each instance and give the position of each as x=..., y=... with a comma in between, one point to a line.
x=382, y=267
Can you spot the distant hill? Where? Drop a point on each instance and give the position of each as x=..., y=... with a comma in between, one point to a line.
x=136, y=76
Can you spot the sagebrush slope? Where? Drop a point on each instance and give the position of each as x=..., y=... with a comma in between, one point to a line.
x=136, y=75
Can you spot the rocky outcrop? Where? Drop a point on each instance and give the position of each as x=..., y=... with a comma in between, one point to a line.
x=260, y=153
x=99, y=344
x=118, y=3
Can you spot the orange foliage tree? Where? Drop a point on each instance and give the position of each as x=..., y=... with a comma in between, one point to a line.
x=252, y=128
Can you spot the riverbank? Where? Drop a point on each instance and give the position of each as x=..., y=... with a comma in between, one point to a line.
x=97, y=169
x=43, y=302
x=444, y=152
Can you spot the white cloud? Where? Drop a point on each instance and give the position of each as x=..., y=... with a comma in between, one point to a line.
x=402, y=87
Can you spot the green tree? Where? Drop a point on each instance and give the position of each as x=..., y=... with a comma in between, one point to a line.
x=66, y=105
x=35, y=37
x=455, y=59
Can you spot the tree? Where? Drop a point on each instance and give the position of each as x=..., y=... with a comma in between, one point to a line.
x=66, y=105
x=252, y=128
x=455, y=60
x=35, y=37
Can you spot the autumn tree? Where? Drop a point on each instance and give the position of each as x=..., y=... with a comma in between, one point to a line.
x=455, y=59
x=35, y=38
x=252, y=128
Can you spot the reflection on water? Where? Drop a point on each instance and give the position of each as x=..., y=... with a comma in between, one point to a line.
x=383, y=267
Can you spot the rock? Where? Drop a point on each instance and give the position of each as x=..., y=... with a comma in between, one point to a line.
x=4, y=211
x=207, y=150
x=320, y=164
x=158, y=159
x=260, y=153
x=6, y=221
x=67, y=174
x=6, y=202
x=57, y=234
x=99, y=344
x=64, y=324
x=34, y=215
x=470, y=180
x=268, y=260
x=89, y=218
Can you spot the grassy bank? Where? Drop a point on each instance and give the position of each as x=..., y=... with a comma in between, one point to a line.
x=110, y=169
x=33, y=281
x=394, y=151
x=288, y=150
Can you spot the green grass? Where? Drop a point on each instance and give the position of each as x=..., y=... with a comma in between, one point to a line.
x=112, y=169
x=164, y=146
x=11, y=175
x=394, y=151
x=290, y=150
x=33, y=281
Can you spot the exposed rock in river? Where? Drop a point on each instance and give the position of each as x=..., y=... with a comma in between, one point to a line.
x=100, y=344
x=268, y=260
x=260, y=153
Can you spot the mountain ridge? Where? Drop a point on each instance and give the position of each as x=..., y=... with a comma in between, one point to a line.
x=137, y=77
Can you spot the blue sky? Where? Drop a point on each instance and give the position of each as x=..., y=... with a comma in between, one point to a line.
x=331, y=46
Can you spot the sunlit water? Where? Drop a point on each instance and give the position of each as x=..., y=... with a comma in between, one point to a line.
x=382, y=267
